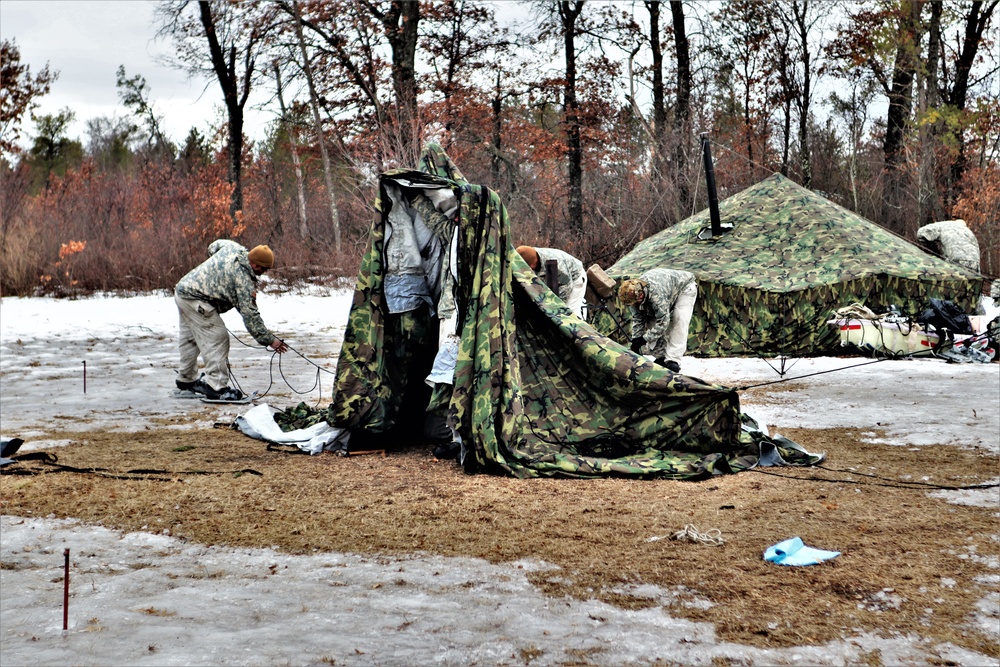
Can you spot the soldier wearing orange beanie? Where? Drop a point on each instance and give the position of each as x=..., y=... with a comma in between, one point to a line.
x=226, y=280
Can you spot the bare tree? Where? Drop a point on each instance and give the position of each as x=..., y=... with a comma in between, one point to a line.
x=296, y=161
x=224, y=40
x=314, y=104
x=745, y=46
x=400, y=22
x=351, y=37
x=569, y=13
x=457, y=40
x=804, y=21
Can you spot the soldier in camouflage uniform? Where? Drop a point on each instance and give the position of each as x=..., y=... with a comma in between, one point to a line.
x=571, y=275
x=661, y=302
x=955, y=241
x=226, y=280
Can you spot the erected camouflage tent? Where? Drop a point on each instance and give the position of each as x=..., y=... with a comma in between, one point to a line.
x=791, y=258
x=537, y=391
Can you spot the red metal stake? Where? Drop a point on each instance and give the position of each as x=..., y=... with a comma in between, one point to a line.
x=85, y=376
x=66, y=591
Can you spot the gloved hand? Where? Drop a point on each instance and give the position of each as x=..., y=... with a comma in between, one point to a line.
x=637, y=344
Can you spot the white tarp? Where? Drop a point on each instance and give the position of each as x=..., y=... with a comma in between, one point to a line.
x=258, y=422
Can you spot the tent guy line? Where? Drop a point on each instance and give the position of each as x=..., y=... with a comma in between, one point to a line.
x=922, y=354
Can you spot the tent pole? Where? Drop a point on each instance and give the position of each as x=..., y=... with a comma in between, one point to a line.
x=713, y=197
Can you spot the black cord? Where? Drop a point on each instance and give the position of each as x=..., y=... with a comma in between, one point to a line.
x=935, y=486
x=895, y=484
x=317, y=384
x=52, y=461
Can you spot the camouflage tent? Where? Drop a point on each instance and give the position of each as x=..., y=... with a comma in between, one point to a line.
x=537, y=391
x=792, y=257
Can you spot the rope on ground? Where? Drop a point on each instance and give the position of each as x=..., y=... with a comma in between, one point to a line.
x=316, y=384
x=149, y=474
x=889, y=483
x=689, y=533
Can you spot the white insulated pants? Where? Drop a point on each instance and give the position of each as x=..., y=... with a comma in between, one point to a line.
x=202, y=331
x=680, y=319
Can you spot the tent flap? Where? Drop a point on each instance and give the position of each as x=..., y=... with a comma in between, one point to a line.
x=537, y=391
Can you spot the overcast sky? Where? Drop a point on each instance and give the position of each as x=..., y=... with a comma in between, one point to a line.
x=86, y=41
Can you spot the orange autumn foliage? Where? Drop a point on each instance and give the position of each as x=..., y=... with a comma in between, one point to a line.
x=979, y=206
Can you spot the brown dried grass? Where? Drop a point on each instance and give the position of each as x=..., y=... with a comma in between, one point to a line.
x=595, y=531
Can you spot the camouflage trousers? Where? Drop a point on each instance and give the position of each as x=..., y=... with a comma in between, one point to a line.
x=202, y=331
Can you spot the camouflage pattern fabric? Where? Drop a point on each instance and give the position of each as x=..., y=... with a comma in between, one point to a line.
x=537, y=392
x=384, y=355
x=434, y=160
x=792, y=258
x=957, y=242
x=651, y=318
x=568, y=269
x=227, y=281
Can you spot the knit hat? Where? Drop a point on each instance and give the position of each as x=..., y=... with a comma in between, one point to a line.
x=262, y=256
x=632, y=292
x=529, y=255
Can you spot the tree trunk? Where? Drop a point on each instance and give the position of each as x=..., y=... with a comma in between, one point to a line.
x=496, y=130
x=976, y=21
x=929, y=201
x=894, y=217
x=225, y=72
x=901, y=91
x=659, y=103
x=296, y=162
x=400, y=24
x=569, y=12
x=786, y=131
x=682, y=111
x=801, y=15
x=314, y=104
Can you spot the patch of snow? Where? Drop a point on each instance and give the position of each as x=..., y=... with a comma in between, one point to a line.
x=151, y=599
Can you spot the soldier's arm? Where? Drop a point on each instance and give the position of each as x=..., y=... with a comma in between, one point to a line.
x=638, y=323
x=246, y=303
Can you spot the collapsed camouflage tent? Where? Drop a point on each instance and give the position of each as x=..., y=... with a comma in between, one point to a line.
x=537, y=391
x=791, y=258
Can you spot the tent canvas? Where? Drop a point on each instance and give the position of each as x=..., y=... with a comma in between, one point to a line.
x=789, y=259
x=537, y=391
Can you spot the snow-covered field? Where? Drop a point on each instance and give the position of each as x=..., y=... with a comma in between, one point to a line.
x=107, y=363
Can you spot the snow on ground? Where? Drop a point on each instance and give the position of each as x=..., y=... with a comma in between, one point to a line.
x=144, y=599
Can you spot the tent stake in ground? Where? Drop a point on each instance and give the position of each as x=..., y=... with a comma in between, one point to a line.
x=66, y=591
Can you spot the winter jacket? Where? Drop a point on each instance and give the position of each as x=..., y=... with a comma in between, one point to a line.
x=226, y=281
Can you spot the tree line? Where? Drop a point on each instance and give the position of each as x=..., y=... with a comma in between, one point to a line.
x=586, y=117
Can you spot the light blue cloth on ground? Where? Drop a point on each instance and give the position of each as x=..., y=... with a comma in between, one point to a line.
x=793, y=552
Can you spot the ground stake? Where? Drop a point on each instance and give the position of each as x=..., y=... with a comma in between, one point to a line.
x=66, y=580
